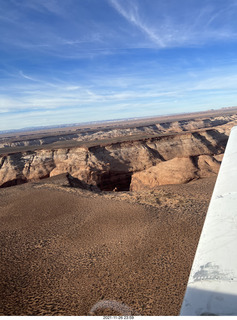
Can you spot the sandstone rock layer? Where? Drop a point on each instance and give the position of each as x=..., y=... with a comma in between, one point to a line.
x=168, y=159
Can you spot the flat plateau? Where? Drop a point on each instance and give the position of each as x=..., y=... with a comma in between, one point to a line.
x=64, y=249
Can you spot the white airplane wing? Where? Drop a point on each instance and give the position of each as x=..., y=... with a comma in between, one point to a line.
x=212, y=285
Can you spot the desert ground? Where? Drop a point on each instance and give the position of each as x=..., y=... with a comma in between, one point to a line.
x=65, y=249
x=71, y=245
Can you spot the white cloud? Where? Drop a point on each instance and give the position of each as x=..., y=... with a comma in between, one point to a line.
x=167, y=28
x=61, y=96
x=109, y=74
x=72, y=35
x=133, y=17
x=27, y=77
x=216, y=83
x=53, y=6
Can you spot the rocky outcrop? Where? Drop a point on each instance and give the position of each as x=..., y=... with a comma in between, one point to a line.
x=167, y=127
x=207, y=166
x=175, y=171
x=173, y=158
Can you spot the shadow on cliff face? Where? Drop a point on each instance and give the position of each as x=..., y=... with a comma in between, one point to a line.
x=117, y=177
x=107, y=181
x=114, y=181
x=13, y=182
x=220, y=138
x=76, y=183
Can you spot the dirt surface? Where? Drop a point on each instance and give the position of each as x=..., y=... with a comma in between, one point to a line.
x=64, y=249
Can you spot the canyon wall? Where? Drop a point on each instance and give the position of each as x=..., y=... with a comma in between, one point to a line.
x=107, y=133
x=128, y=165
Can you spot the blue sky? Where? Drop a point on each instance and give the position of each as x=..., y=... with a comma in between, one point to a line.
x=72, y=61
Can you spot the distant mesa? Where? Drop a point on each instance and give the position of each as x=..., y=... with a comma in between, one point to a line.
x=120, y=158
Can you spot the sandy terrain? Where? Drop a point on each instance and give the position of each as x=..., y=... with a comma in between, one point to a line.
x=64, y=249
